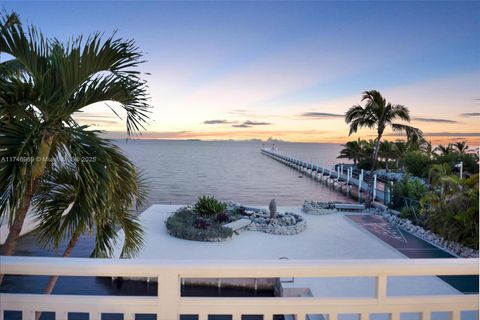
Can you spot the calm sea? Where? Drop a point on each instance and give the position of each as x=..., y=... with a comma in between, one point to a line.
x=181, y=171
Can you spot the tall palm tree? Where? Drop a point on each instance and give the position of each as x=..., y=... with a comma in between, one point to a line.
x=379, y=114
x=39, y=98
x=352, y=151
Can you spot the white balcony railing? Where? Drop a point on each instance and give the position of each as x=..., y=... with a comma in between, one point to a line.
x=169, y=304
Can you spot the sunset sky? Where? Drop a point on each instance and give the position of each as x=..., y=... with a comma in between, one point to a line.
x=287, y=70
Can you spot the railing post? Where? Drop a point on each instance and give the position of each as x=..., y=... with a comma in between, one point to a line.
x=300, y=316
x=374, y=187
x=381, y=288
x=455, y=315
x=168, y=295
x=28, y=315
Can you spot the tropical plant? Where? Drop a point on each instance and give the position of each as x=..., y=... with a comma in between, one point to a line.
x=417, y=163
x=96, y=197
x=407, y=192
x=443, y=150
x=427, y=149
x=352, y=150
x=388, y=151
x=379, y=114
x=469, y=160
x=209, y=206
x=452, y=208
x=461, y=147
x=42, y=87
x=186, y=224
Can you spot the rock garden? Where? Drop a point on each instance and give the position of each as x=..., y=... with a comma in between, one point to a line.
x=211, y=220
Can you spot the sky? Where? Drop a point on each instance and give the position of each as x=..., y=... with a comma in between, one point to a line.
x=286, y=70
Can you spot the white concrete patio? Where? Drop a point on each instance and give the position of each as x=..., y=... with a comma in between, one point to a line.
x=326, y=237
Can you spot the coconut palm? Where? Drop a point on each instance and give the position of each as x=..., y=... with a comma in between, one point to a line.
x=353, y=150
x=50, y=83
x=379, y=114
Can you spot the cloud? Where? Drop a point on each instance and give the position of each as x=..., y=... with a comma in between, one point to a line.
x=256, y=123
x=249, y=124
x=322, y=115
x=470, y=114
x=420, y=119
x=215, y=121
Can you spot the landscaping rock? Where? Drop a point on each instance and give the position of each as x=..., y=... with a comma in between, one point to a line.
x=284, y=224
x=318, y=208
x=454, y=248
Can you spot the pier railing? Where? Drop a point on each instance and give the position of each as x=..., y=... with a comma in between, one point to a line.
x=338, y=175
x=169, y=304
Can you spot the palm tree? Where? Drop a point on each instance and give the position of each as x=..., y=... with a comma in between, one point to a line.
x=353, y=150
x=378, y=114
x=388, y=150
x=402, y=148
x=39, y=98
x=461, y=147
x=96, y=197
x=443, y=150
x=426, y=147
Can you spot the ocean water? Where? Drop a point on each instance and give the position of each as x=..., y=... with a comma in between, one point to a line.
x=179, y=172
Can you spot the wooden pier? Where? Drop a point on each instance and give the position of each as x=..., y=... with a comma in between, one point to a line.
x=353, y=182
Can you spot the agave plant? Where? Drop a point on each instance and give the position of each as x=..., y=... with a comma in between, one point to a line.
x=209, y=206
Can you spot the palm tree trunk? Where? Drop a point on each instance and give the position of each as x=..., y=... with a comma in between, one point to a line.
x=368, y=197
x=37, y=172
x=53, y=279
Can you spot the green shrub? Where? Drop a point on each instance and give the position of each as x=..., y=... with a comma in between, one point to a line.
x=470, y=163
x=407, y=192
x=208, y=206
x=417, y=163
x=365, y=164
x=413, y=214
x=453, y=212
x=185, y=224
